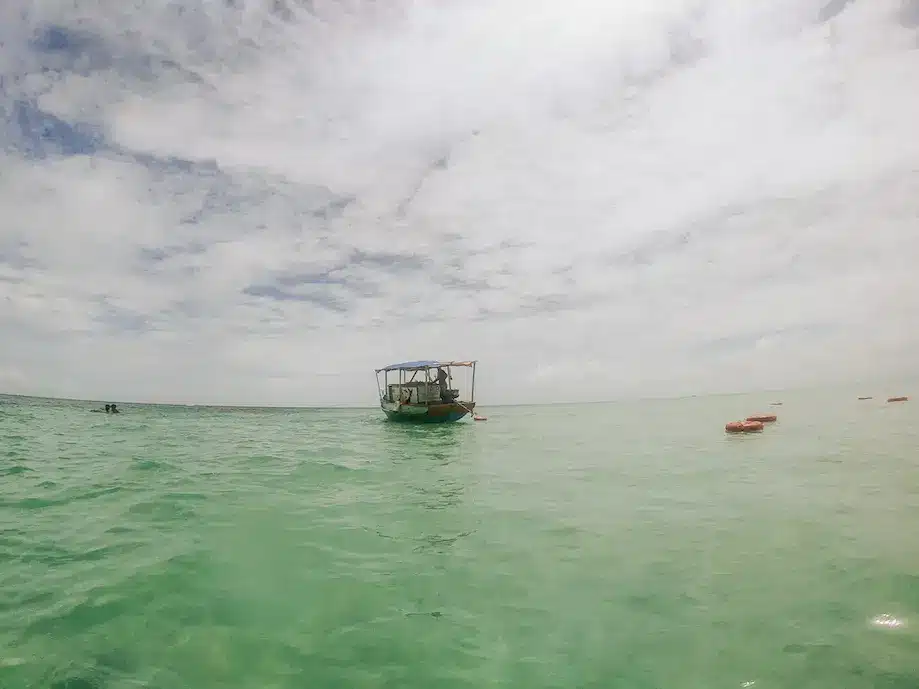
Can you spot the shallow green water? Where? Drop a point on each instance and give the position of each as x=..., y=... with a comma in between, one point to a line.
x=622, y=545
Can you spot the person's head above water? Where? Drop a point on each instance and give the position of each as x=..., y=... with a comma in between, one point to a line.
x=114, y=409
x=108, y=407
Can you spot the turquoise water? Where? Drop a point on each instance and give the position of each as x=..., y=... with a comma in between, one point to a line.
x=622, y=545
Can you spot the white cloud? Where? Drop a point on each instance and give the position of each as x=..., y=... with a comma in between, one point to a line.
x=593, y=199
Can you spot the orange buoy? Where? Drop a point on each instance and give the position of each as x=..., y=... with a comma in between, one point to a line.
x=752, y=426
x=743, y=426
x=763, y=418
x=734, y=427
x=897, y=399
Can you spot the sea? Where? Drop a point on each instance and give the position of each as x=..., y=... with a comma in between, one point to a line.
x=625, y=545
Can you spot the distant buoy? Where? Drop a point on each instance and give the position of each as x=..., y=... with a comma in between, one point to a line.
x=743, y=426
x=897, y=399
x=866, y=398
x=763, y=418
x=776, y=404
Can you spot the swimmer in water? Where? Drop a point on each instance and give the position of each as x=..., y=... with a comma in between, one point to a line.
x=114, y=409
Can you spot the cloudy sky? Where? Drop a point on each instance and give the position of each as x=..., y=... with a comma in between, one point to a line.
x=247, y=201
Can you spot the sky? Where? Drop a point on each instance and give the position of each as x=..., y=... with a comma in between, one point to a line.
x=261, y=202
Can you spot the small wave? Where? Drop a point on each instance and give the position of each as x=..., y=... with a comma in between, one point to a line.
x=15, y=469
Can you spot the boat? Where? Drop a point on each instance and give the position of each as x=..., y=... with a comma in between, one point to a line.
x=424, y=392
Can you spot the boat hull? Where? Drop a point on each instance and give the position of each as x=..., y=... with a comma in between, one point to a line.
x=434, y=413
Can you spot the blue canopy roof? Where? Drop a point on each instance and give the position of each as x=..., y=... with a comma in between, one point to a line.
x=421, y=365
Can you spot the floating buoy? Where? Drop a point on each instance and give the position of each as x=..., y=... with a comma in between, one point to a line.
x=776, y=404
x=866, y=398
x=743, y=426
x=763, y=418
x=480, y=418
x=897, y=399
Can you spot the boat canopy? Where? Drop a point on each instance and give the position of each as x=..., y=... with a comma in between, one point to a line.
x=422, y=365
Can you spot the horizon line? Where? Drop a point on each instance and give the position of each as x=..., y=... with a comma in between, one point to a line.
x=364, y=407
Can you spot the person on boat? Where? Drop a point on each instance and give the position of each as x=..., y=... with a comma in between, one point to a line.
x=442, y=382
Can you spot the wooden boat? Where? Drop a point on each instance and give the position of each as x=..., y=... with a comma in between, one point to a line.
x=423, y=392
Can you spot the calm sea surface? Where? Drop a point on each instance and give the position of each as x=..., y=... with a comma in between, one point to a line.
x=623, y=545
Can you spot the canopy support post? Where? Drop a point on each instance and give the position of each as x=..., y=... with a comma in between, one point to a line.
x=472, y=391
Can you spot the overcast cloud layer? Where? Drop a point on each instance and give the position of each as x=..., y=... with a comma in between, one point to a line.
x=261, y=202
